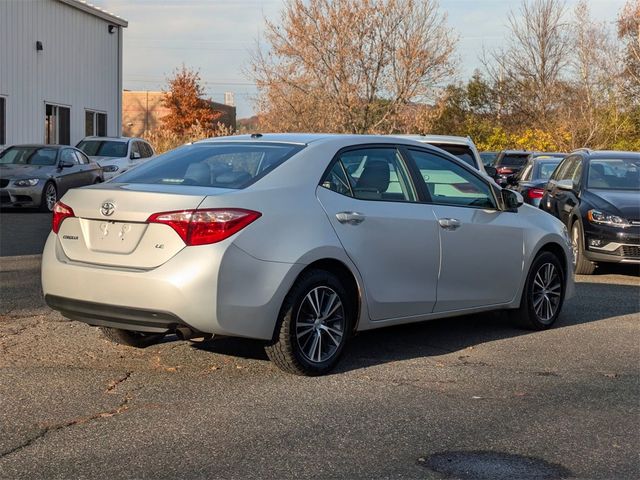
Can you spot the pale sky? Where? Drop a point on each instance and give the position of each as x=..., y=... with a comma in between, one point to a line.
x=215, y=37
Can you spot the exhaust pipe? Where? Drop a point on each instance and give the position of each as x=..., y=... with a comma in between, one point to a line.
x=185, y=333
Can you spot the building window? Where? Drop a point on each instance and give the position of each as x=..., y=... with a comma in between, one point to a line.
x=3, y=121
x=95, y=123
x=57, y=125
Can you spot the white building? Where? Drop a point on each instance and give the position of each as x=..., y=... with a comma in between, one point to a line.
x=60, y=71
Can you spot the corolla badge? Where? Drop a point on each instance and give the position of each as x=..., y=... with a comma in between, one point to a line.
x=107, y=209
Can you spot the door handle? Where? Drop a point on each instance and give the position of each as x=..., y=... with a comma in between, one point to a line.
x=351, y=218
x=449, y=223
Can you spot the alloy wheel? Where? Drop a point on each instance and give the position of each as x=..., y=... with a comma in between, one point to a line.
x=547, y=291
x=50, y=196
x=320, y=324
x=575, y=242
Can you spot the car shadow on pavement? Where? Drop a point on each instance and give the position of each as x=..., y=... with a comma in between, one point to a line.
x=437, y=337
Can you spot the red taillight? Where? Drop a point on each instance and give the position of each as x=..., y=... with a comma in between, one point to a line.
x=535, y=193
x=202, y=227
x=504, y=171
x=60, y=212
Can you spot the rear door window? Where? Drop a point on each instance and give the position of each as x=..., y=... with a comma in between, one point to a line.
x=371, y=174
x=213, y=164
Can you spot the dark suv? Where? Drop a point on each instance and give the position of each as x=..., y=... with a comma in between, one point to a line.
x=597, y=196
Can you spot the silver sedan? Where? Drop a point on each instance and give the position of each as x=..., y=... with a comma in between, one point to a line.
x=300, y=241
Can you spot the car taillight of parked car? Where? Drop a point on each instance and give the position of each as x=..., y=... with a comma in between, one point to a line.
x=60, y=212
x=203, y=227
x=505, y=171
x=535, y=193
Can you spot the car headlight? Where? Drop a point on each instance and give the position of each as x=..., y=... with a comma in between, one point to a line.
x=110, y=168
x=27, y=182
x=604, y=218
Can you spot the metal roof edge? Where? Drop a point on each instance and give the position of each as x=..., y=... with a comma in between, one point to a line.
x=96, y=11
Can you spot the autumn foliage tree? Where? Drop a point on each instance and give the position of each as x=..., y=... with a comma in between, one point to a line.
x=187, y=105
x=350, y=65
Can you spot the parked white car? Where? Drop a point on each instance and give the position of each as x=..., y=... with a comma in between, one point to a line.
x=300, y=241
x=116, y=155
x=461, y=147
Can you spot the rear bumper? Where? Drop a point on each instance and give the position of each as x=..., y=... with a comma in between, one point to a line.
x=106, y=315
x=216, y=289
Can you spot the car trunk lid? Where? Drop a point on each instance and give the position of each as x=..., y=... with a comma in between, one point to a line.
x=110, y=228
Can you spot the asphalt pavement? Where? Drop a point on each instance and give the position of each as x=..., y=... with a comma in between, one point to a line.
x=23, y=231
x=467, y=397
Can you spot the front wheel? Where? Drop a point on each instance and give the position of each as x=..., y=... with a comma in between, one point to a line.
x=314, y=323
x=49, y=197
x=543, y=294
x=582, y=265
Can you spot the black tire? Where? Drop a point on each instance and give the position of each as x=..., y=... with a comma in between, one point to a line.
x=291, y=352
x=45, y=205
x=131, y=338
x=582, y=265
x=529, y=315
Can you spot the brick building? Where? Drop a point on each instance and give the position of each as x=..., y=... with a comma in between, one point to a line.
x=143, y=110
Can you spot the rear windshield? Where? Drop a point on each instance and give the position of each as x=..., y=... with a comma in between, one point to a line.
x=463, y=152
x=103, y=148
x=29, y=156
x=222, y=165
x=546, y=168
x=514, y=159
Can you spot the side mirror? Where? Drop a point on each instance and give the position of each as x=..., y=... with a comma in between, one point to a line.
x=135, y=156
x=491, y=171
x=565, y=185
x=512, y=200
x=66, y=164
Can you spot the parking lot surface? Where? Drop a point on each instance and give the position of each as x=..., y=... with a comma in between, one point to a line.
x=432, y=400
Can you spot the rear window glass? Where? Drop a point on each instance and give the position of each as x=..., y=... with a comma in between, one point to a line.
x=463, y=152
x=546, y=168
x=222, y=165
x=511, y=160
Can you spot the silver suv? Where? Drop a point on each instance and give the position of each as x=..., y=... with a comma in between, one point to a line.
x=116, y=154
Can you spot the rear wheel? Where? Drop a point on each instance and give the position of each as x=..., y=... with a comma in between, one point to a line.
x=49, y=197
x=314, y=323
x=543, y=294
x=131, y=338
x=581, y=264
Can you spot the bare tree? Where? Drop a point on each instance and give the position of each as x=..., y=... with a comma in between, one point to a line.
x=350, y=65
x=595, y=81
x=629, y=33
x=530, y=69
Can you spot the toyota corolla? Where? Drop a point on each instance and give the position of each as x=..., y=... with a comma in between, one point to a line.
x=300, y=241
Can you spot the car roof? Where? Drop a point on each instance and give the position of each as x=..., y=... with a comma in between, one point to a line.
x=39, y=145
x=306, y=138
x=115, y=139
x=594, y=154
x=548, y=156
x=516, y=152
x=451, y=139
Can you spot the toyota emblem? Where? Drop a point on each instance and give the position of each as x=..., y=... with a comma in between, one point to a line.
x=107, y=209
